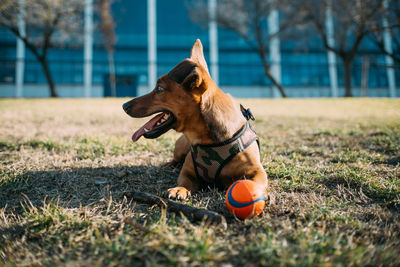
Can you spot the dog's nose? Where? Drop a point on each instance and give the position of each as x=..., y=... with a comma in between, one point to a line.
x=126, y=106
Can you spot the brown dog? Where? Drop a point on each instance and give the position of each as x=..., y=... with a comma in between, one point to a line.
x=217, y=146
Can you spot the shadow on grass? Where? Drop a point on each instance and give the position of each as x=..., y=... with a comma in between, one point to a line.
x=81, y=186
x=363, y=192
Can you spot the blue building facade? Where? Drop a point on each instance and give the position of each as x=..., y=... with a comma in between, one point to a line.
x=304, y=73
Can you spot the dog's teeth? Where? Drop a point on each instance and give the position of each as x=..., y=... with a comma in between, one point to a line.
x=163, y=120
x=146, y=130
x=158, y=123
x=166, y=116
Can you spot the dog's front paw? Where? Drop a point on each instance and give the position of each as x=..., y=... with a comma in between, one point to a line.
x=178, y=192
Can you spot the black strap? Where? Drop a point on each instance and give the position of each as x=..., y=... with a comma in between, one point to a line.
x=247, y=113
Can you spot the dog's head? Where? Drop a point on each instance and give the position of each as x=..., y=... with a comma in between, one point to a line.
x=175, y=99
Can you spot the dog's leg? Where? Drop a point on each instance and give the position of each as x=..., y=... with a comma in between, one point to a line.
x=261, y=178
x=182, y=148
x=187, y=181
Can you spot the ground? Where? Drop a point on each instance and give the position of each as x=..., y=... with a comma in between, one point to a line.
x=65, y=164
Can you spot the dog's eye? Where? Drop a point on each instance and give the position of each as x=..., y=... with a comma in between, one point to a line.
x=159, y=89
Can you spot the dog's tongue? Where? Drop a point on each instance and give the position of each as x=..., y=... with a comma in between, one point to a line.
x=149, y=126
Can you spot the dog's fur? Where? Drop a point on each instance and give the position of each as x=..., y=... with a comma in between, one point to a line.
x=205, y=115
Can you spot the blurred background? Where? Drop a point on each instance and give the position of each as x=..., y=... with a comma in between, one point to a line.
x=254, y=48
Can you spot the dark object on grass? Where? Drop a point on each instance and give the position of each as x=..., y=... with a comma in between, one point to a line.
x=191, y=213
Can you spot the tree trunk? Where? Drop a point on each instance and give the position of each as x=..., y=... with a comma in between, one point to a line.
x=49, y=78
x=269, y=75
x=347, y=66
x=275, y=83
x=111, y=67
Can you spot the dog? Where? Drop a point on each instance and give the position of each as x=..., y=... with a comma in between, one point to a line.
x=218, y=145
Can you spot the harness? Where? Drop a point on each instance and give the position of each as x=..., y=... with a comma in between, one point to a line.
x=209, y=160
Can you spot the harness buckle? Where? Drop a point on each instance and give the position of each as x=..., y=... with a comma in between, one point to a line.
x=247, y=113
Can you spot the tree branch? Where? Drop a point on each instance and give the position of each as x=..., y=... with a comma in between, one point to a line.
x=29, y=45
x=320, y=27
x=192, y=213
x=381, y=46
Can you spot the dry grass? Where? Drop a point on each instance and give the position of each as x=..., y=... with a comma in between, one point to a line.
x=334, y=168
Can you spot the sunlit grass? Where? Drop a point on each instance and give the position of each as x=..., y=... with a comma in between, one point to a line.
x=333, y=165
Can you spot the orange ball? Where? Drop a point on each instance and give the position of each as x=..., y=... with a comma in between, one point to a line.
x=245, y=199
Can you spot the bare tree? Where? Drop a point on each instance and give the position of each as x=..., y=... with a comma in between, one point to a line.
x=107, y=27
x=352, y=21
x=247, y=18
x=392, y=15
x=48, y=23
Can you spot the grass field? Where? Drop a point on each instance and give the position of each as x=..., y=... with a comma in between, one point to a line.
x=333, y=165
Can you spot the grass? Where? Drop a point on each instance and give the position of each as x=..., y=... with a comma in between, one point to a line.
x=333, y=165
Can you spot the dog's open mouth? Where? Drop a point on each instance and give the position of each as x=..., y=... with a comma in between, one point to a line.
x=155, y=127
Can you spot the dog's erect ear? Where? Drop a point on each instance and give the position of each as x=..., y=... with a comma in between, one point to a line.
x=193, y=81
x=196, y=54
x=188, y=74
x=182, y=70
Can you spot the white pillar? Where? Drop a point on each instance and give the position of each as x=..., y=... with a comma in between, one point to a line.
x=274, y=49
x=152, y=43
x=387, y=41
x=213, y=36
x=331, y=55
x=20, y=62
x=88, y=47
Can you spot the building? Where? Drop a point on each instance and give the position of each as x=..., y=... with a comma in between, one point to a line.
x=153, y=36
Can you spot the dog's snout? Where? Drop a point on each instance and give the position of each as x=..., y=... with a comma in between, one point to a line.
x=126, y=106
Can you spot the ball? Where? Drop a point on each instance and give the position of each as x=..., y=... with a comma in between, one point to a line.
x=245, y=199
